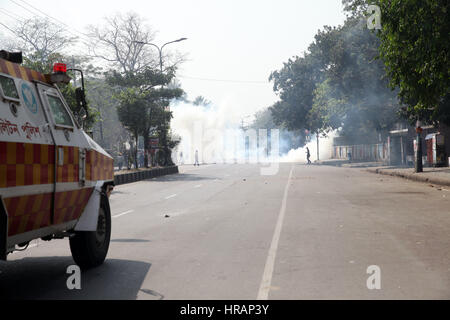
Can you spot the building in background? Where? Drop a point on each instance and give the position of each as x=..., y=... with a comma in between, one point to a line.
x=398, y=147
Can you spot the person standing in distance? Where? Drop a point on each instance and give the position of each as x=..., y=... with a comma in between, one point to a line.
x=196, y=158
x=308, y=155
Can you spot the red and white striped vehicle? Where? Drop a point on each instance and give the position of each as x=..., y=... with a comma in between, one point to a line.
x=55, y=181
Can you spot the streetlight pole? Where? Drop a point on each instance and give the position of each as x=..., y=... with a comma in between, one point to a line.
x=161, y=69
x=160, y=49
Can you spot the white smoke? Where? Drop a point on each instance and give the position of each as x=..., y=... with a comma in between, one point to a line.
x=203, y=128
x=215, y=131
x=299, y=154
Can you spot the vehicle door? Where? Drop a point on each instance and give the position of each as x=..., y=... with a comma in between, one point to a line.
x=70, y=148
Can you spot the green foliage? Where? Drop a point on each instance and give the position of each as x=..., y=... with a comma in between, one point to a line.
x=415, y=49
x=329, y=107
x=356, y=7
x=35, y=61
x=264, y=120
x=295, y=84
x=355, y=95
x=108, y=131
x=201, y=101
x=288, y=139
x=131, y=110
x=143, y=99
x=338, y=83
x=68, y=91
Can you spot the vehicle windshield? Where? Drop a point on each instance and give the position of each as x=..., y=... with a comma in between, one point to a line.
x=59, y=112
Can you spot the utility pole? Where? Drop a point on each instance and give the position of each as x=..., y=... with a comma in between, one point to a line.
x=317, y=145
x=246, y=141
x=74, y=75
x=419, y=164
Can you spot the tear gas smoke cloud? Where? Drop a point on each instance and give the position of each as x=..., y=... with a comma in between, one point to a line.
x=299, y=154
x=215, y=131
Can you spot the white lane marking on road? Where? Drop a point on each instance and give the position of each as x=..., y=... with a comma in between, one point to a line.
x=171, y=196
x=122, y=214
x=264, y=288
x=198, y=186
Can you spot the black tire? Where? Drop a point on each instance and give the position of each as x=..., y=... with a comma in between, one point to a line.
x=89, y=248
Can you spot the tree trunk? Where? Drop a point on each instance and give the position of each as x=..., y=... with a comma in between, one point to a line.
x=136, y=137
x=418, y=165
x=146, y=148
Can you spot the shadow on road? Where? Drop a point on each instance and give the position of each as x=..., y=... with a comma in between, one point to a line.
x=129, y=240
x=46, y=277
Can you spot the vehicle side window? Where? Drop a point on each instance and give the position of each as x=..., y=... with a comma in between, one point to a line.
x=8, y=87
x=59, y=112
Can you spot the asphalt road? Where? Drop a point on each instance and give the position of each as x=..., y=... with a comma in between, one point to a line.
x=228, y=232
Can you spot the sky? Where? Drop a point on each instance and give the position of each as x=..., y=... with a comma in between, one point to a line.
x=232, y=46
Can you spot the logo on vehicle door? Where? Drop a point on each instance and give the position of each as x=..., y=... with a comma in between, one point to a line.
x=29, y=98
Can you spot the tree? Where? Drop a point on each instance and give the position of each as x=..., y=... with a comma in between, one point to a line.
x=415, y=50
x=201, y=101
x=337, y=84
x=295, y=84
x=355, y=95
x=132, y=114
x=145, y=96
x=356, y=7
x=144, y=88
x=116, y=42
x=42, y=41
x=108, y=131
x=288, y=139
x=86, y=120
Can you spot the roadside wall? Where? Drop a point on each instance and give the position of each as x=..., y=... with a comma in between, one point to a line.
x=143, y=174
x=363, y=152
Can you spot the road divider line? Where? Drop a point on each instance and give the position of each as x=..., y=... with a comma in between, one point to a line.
x=122, y=214
x=171, y=196
x=264, y=288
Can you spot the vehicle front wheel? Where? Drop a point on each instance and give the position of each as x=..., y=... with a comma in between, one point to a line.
x=89, y=248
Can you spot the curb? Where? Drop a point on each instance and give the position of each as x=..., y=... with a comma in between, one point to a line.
x=337, y=163
x=142, y=175
x=411, y=176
